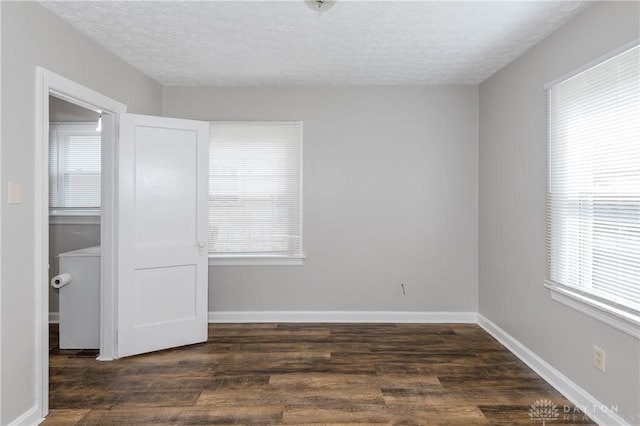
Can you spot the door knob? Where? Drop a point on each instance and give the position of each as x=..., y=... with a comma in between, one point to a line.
x=202, y=244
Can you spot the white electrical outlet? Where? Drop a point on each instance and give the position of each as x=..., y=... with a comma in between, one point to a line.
x=598, y=358
x=15, y=193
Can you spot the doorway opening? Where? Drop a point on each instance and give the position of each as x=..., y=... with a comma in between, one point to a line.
x=74, y=226
x=161, y=260
x=48, y=86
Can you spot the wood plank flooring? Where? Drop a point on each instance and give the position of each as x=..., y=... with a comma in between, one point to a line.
x=303, y=374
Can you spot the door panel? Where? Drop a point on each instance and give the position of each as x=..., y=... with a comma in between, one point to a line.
x=164, y=294
x=162, y=223
x=165, y=170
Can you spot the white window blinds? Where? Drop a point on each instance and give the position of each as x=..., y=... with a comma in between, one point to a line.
x=74, y=166
x=593, y=182
x=255, y=184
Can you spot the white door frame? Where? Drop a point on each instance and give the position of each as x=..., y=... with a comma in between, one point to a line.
x=1, y=199
x=49, y=83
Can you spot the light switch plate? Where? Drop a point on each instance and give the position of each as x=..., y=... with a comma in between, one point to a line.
x=15, y=193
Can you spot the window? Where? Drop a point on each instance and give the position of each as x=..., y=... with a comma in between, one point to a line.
x=255, y=193
x=593, y=190
x=74, y=169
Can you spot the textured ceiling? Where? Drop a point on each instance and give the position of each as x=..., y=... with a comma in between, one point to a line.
x=249, y=43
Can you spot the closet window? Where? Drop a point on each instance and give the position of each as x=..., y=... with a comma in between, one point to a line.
x=255, y=193
x=74, y=169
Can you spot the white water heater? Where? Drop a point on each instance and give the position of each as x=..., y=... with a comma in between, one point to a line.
x=80, y=299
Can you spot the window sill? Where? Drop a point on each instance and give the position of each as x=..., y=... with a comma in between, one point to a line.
x=255, y=260
x=620, y=320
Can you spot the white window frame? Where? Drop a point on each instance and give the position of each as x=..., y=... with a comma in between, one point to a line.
x=620, y=318
x=66, y=215
x=256, y=259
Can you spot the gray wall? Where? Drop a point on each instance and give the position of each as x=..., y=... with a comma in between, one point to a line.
x=512, y=213
x=390, y=197
x=33, y=36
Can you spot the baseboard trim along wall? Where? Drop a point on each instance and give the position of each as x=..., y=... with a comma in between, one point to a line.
x=330, y=316
x=574, y=393
x=342, y=316
x=28, y=418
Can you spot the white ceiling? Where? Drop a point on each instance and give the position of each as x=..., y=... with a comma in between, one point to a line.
x=357, y=42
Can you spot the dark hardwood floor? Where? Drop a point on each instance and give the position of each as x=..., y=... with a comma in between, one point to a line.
x=400, y=374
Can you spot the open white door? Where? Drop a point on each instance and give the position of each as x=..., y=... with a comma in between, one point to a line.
x=160, y=217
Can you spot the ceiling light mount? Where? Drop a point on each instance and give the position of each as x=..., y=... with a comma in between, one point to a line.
x=320, y=5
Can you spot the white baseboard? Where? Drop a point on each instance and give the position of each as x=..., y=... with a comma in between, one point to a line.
x=28, y=418
x=341, y=316
x=54, y=317
x=597, y=411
